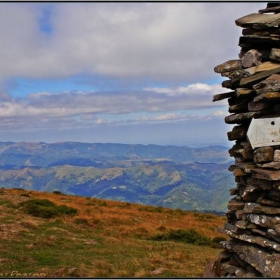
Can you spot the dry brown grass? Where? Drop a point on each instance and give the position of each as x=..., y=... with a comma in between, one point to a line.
x=115, y=233
x=128, y=218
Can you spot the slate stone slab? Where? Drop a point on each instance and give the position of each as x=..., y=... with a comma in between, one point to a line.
x=245, y=82
x=271, y=84
x=258, y=21
x=229, y=66
x=268, y=263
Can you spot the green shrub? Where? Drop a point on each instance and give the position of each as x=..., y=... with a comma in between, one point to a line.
x=57, y=192
x=186, y=236
x=215, y=242
x=46, y=209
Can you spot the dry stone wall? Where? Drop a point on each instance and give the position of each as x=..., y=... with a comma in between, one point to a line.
x=253, y=219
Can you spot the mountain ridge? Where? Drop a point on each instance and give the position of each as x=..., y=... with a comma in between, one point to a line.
x=169, y=176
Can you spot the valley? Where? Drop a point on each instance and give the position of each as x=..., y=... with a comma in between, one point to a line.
x=168, y=176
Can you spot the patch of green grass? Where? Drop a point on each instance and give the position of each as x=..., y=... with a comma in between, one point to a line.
x=190, y=236
x=46, y=209
x=215, y=241
x=3, y=202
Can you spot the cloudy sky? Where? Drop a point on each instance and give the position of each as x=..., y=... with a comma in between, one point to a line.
x=116, y=72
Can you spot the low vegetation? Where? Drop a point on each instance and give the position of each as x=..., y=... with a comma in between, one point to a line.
x=56, y=235
x=46, y=209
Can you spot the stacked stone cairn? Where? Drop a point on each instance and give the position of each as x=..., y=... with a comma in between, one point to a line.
x=253, y=220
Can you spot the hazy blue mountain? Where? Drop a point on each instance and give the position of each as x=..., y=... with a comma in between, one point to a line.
x=171, y=176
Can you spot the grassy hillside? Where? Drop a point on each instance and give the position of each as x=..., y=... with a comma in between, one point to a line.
x=103, y=239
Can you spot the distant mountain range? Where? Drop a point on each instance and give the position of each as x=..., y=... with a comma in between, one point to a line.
x=170, y=176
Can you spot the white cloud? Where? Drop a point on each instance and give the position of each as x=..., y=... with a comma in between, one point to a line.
x=220, y=113
x=193, y=89
x=165, y=117
x=69, y=104
x=85, y=108
x=172, y=43
x=164, y=41
x=99, y=121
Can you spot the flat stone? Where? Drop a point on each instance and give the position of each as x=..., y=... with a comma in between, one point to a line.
x=222, y=96
x=242, y=224
x=273, y=31
x=264, y=154
x=257, y=106
x=238, y=108
x=275, y=54
x=268, y=202
x=267, y=263
x=247, y=153
x=251, y=58
x=258, y=77
x=263, y=220
x=270, y=10
x=262, y=184
x=252, y=41
x=239, y=172
x=243, y=117
x=271, y=84
x=239, y=118
x=264, y=50
x=238, y=132
x=258, y=21
x=251, y=226
x=229, y=66
x=261, y=241
x=246, y=166
x=272, y=165
x=243, y=73
x=268, y=96
x=273, y=234
x=236, y=205
x=229, y=84
x=276, y=155
x=272, y=175
x=244, y=91
x=268, y=65
x=229, y=226
x=257, y=208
